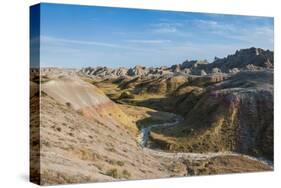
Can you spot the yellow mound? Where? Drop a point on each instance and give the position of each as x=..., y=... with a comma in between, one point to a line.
x=87, y=99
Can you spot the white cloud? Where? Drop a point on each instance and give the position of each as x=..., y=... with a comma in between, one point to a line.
x=54, y=44
x=255, y=35
x=208, y=23
x=165, y=30
x=214, y=26
x=165, y=27
x=149, y=41
x=252, y=35
x=54, y=40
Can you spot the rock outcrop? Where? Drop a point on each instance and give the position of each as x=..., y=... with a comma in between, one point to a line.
x=137, y=71
x=245, y=59
x=252, y=56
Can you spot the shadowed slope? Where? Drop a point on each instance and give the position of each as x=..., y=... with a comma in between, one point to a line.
x=234, y=115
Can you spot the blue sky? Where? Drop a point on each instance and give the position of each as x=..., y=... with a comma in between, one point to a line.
x=79, y=36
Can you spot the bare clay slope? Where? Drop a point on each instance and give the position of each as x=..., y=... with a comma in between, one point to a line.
x=82, y=142
x=85, y=98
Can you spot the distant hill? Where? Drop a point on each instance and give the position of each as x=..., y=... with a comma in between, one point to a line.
x=244, y=59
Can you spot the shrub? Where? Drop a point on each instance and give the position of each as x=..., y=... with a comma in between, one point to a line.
x=126, y=95
x=120, y=163
x=113, y=173
x=126, y=174
x=68, y=104
x=116, y=174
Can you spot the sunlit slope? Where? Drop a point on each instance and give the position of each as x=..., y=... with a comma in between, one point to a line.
x=87, y=137
x=86, y=99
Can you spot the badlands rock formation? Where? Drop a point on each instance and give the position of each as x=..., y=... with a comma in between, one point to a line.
x=244, y=59
x=232, y=115
x=91, y=119
x=227, y=104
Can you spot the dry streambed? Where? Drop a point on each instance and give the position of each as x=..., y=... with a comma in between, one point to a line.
x=200, y=163
x=166, y=120
x=143, y=139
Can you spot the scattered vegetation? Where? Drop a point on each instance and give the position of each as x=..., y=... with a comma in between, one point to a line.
x=120, y=163
x=44, y=79
x=117, y=174
x=113, y=173
x=68, y=104
x=111, y=149
x=126, y=174
x=126, y=95
x=115, y=162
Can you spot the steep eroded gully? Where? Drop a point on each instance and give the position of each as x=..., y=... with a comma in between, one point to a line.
x=174, y=120
x=143, y=139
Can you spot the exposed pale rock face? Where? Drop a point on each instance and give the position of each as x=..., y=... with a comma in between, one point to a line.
x=186, y=71
x=104, y=72
x=194, y=63
x=234, y=70
x=137, y=71
x=203, y=73
x=79, y=94
x=216, y=70
x=176, y=68
x=119, y=71
x=251, y=67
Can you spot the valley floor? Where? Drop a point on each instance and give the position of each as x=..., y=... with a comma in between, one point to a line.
x=170, y=119
x=197, y=163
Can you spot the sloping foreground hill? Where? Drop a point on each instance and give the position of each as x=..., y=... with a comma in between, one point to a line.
x=87, y=99
x=82, y=142
x=233, y=115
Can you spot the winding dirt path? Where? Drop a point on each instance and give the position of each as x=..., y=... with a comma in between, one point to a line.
x=143, y=139
x=145, y=131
